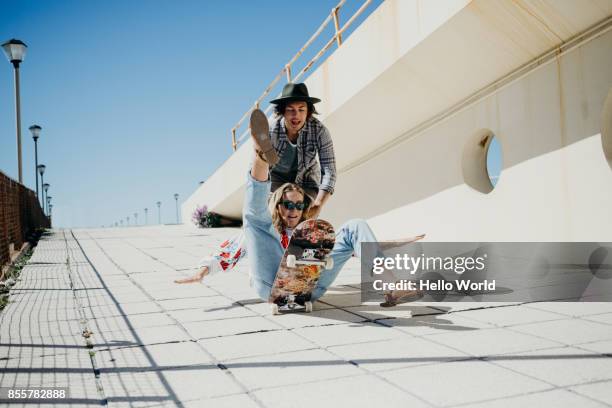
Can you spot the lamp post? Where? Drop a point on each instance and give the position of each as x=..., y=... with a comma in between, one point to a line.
x=146, y=210
x=48, y=205
x=15, y=51
x=41, y=170
x=35, y=129
x=45, y=188
x=50, y=212
x=159, y=212
x=136, y=219
x=176, y=196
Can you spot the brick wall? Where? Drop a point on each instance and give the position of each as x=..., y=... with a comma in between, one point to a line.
x=20, y=216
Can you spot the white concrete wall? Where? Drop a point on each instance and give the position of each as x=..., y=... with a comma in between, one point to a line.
x=412, y=61
x=555, y=184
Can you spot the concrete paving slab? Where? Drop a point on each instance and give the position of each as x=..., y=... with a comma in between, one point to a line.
x=201, y=302
x=256, y=344
x=148, y=388
x=348, y=334
x=290, y=368
x=511, y=316
x=573, y=309
x=605, y=318
x=452, y=307
x=599, y=391
x=560, y=366
x=398, y=353
x=123, y=309
x=140, y=336
x=342, y=300
x=356, y=392
x=180, y=292
x=568, y=331
x=554, y=398
x=124, y=323
x=225, y=310
x=232, y=401
x=373, y=311
x=462, y=382
x=229, y=327
x=487, y=342
x=317, y=318
x=229, y=283
x=152, y=357
x=601, y=347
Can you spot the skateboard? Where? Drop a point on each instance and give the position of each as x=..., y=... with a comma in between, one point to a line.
x=304, y=259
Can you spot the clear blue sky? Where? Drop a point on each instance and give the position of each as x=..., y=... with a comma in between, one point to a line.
x=137, y=98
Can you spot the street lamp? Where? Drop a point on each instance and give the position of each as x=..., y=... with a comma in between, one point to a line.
x=48, y=204
x=41, y=170
x=159, y=212
x=176, y=196
x=35, y=129
x=136, y=219
x=15, y=51
x=146, y=216
x=45, y=188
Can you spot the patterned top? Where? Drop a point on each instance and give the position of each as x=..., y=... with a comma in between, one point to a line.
x=233, y=250
x=313, y=139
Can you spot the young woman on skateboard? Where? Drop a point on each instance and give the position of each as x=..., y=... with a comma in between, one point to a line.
x=291, y=148
x=268, y=225
x=263, y=234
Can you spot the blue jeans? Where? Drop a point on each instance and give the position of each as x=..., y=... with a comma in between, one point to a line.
x=265, y=251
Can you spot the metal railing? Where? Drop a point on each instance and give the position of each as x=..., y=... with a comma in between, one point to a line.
x=286, y=71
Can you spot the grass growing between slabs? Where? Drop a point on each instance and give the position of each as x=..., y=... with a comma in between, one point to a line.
x=12, y=276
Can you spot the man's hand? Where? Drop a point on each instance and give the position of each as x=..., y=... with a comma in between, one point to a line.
x=315, y=208
x=314, y=211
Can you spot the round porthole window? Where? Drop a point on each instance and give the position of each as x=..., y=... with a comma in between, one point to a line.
x=606, y=128
x=482, y=161
x=494, y=161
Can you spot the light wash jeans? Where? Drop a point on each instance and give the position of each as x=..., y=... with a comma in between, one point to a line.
x=265, y=251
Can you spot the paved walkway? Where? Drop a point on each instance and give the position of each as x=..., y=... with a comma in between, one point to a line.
x=154, y=343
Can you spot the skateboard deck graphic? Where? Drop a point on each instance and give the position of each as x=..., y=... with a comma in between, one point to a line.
x=304, y=259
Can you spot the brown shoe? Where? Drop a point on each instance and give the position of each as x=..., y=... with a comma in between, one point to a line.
x=394, y=298
x=260, y=134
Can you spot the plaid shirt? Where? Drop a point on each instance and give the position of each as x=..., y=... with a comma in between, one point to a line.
x=313, y=139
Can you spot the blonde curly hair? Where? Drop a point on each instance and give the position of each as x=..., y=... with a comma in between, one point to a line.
x=277, y=197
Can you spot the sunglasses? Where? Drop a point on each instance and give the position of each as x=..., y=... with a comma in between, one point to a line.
x=290, y=205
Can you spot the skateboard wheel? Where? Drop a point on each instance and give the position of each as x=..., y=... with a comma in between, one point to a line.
x=274, y=308
x=308, y=306
x=291, y=260
x=329, y=263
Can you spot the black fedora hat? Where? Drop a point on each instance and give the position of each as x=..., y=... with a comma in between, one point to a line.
x=295, y=92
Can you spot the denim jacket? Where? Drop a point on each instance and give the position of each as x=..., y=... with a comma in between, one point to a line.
x=313, y=140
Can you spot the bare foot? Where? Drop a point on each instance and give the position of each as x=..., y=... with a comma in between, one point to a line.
x=195, y=278
x=401, y=296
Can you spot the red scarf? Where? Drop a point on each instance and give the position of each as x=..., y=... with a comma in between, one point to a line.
x=284, y=239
